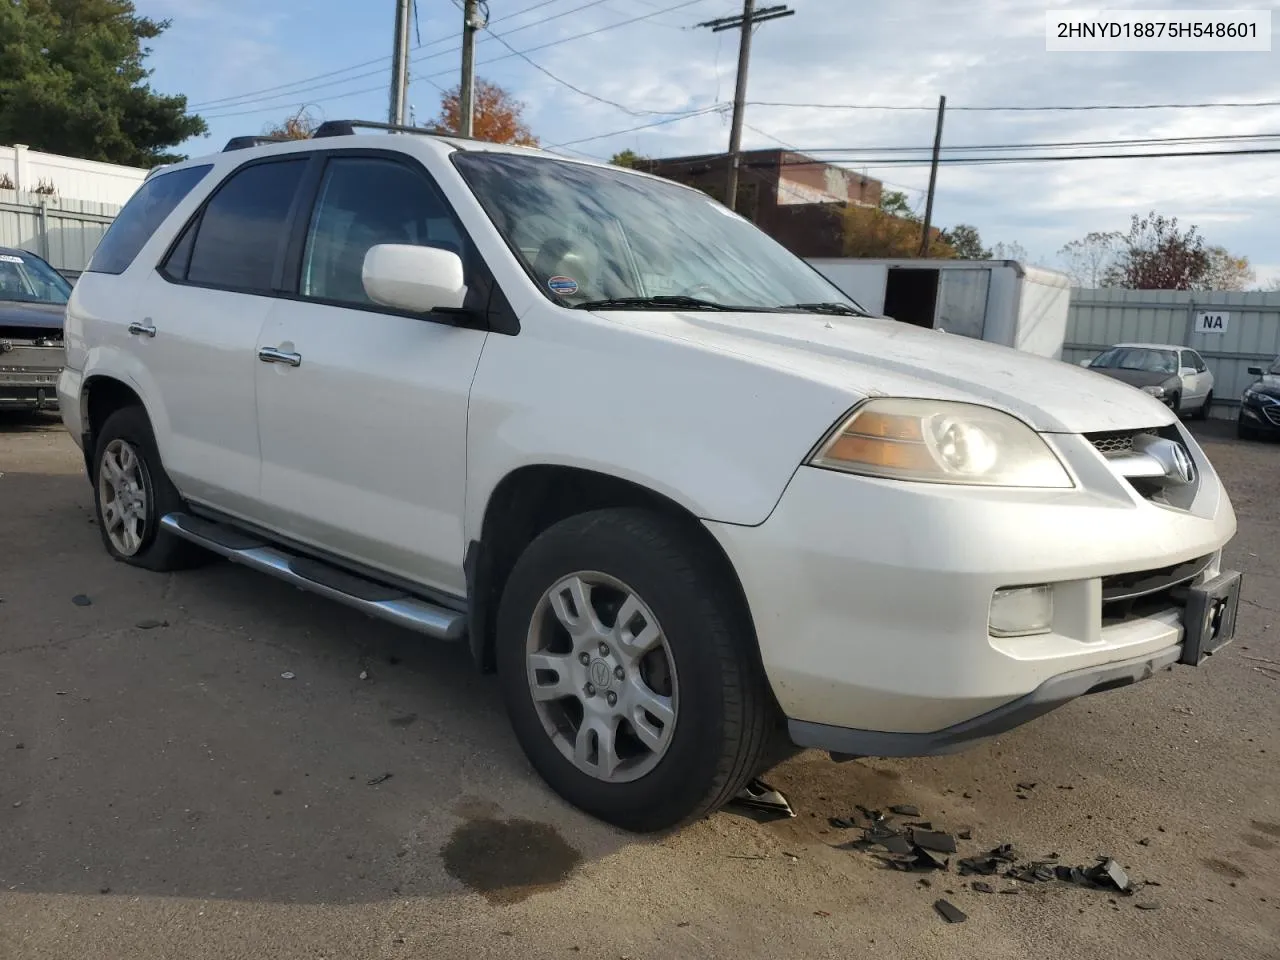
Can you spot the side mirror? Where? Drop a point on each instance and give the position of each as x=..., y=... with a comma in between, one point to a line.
x=1255, y=371
x=420, y=279
x=1084, y=363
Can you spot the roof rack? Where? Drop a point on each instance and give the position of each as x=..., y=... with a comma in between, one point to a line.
x=344, y=128
x=243, y=143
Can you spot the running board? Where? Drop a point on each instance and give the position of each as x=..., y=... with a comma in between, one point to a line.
x=367, y=596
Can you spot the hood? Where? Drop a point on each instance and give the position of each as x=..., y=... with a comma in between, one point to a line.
x=40, y=317
x=1269, y=384
x=1135, y=378
x=880, y=357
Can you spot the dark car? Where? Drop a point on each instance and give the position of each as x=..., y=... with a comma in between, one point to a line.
x=33, y=305
x=1260, y=405
x=1175, y=375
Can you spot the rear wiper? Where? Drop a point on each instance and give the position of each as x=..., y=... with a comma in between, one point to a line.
x=841, y=309
x=674, y=302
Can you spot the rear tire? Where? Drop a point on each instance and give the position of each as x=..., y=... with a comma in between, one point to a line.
x=679, y=605
x=131, y=492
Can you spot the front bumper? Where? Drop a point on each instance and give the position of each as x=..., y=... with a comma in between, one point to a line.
x=871, y=598
x=1260, y=417
x=29, y=376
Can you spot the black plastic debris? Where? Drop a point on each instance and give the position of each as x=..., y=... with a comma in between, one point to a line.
x=1108, y=873
x=984, y=866
x=151, y=624
x=1027, y=785
x=982, y=886
x=841, y=823
x=933, y=840
x=875, y=816
x=379, y=779
x=905, y=810
x=758, y=795
x=898, y=845
x=1007, y=852
x=950, y=912
x=1144, y=842
x=931, y=860
x=966, y=833
x=80, y=600
x=1062, y=873
x=1147, y=906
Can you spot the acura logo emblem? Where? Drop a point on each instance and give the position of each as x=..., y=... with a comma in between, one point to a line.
x=1173, y=457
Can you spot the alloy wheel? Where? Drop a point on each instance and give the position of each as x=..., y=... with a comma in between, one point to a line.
x=124, y=496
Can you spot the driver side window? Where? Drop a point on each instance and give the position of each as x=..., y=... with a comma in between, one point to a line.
x=365, y=201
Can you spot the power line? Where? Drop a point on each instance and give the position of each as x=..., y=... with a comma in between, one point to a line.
x=356, y=66
x=1131, y=142
x=644, y=126
x=1093, y=106
x=964, y=161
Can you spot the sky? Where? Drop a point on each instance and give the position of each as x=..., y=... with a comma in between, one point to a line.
x=246, y=64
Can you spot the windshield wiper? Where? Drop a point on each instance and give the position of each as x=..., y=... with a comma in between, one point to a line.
x=839, y=309
x=674, y=302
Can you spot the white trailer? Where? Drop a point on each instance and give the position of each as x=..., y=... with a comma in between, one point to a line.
x=1001, y=301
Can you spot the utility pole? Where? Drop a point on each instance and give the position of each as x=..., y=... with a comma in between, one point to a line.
x=933, y=178
x=471, y=22
x=399, y=64
x=749, y=17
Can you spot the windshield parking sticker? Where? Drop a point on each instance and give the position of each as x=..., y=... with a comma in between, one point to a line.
x=564, y=286
x=6, y=258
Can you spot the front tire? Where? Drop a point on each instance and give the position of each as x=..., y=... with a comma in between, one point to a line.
x=1203, y=412
x=628, y=669
x=1245, y=432
x=132, y=492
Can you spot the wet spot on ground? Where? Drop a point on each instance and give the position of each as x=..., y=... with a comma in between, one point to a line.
x=403, y=720
x=507, y=861
x=1267, y=827
x=1258, y=842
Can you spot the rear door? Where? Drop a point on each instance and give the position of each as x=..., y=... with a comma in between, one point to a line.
x=363, y=426
x=206, y=304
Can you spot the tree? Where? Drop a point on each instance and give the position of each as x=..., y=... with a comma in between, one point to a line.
x=966, y=242
x=300, y=126
x=1226, y=272
x=498, y=117
x=1156, y=255
x=1010, y=251
x=629, y=158
x=72, y=82
x=1089, y=259
x=890, y=230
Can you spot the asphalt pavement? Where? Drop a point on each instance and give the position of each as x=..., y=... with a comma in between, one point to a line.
x=212, y=764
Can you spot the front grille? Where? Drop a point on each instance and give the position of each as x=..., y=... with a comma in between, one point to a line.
x=1112, y=442
x=1272, y=412
x=1128, y=596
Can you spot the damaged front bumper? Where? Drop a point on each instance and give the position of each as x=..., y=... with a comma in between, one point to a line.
x=873, y=599
x=29, y=375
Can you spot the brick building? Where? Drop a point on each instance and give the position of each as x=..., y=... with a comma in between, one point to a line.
x=794, y=198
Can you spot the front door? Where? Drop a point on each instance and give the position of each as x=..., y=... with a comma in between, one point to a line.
x=362, y=410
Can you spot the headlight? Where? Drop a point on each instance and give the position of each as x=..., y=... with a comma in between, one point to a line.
x=1155, y=390
x=941, y=442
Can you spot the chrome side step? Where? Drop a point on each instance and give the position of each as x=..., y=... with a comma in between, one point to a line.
x=367, y=596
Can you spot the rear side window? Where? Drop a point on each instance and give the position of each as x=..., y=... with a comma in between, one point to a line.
x=142, y=216
x=242, y=231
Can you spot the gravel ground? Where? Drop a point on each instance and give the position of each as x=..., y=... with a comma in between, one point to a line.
x=164, y=792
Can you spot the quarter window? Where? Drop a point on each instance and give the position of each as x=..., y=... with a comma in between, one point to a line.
x=242, y=232
x=142, y=216
x=364, y=201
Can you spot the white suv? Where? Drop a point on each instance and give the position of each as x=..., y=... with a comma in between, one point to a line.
x=681, y=493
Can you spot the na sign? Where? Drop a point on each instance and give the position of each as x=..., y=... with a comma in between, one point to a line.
x=1211, y=322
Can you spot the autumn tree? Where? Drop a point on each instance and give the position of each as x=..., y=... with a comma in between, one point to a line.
x=1156, y=254
x=1226, y=272
x=497, y=117
x=891, y=229
x=73, y=81
x=301, y=126
x=966, y=242
x=1090, y=259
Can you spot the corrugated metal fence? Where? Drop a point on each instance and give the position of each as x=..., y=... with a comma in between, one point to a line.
x=64, y=232
x=1250, y=334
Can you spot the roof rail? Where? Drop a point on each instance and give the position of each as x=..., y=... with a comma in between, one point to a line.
x=243, y=143
x=344, y=128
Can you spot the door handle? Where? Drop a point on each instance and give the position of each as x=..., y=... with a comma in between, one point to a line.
x=273, y=355
x=146, y=329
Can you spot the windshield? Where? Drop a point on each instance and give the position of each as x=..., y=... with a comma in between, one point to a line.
x=1138, y=358
x=29, y=279
x=589, y=233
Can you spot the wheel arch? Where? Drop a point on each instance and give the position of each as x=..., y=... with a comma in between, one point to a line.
x=100, y=396
x=530, y=499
